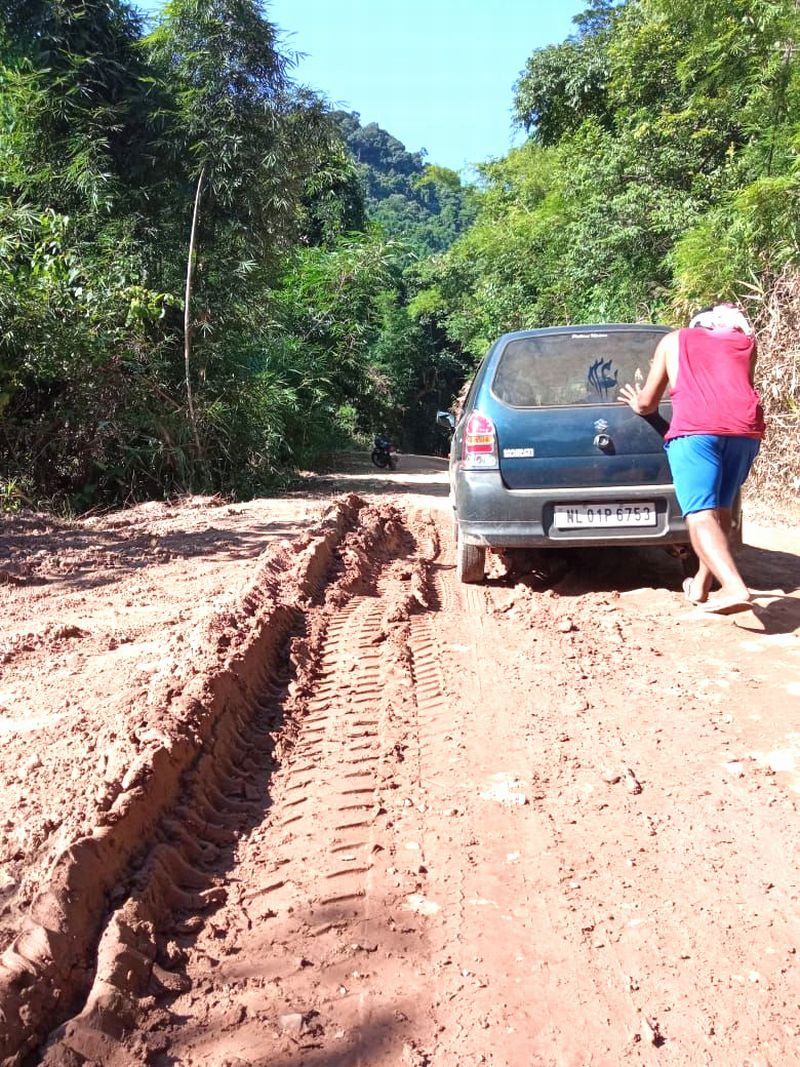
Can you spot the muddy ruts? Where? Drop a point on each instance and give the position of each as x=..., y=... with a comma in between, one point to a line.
x=321, y=761
x=46, y=972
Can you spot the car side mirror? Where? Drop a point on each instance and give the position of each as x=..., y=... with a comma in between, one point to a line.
x=446, y=418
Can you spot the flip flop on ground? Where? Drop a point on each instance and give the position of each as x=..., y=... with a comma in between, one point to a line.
x=687, y=592
x=726, y=606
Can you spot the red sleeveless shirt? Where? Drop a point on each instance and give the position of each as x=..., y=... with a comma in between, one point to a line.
x=713, y=393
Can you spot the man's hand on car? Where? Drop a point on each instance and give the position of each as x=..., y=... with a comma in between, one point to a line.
x=644, y=399
x=629, y=394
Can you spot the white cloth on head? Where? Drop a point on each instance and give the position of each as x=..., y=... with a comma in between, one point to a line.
x=723, y=317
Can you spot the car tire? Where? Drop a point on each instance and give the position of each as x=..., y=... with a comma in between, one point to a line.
x=470, y=561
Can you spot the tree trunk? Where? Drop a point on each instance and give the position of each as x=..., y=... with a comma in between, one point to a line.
x=187, y=309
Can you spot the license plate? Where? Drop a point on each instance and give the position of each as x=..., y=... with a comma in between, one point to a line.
x=601, y=516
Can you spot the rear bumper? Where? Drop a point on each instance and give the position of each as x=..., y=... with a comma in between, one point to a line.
x=491, y=515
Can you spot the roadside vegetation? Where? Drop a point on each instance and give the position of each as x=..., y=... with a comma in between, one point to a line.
x=209, y=278
x=661, y=173
x=192, y=295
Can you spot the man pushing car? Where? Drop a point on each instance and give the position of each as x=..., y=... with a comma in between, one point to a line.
x=715, y=434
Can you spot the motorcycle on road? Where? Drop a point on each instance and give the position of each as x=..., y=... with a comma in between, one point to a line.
x=383, y=453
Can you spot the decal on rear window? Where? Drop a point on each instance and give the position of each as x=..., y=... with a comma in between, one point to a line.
x=601, y=379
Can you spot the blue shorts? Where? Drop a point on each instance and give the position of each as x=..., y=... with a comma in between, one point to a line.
x=708, y=469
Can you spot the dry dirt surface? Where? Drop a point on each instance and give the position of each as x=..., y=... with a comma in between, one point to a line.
x=277, y=790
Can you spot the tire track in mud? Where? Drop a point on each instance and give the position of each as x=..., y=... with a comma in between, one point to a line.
x=329, y=803
x=316, y=963
x=278, y=842
x=190, y=799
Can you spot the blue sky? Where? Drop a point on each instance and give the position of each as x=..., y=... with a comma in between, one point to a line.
x=437, y=74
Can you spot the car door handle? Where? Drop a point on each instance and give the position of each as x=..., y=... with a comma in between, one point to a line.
x=604, y=442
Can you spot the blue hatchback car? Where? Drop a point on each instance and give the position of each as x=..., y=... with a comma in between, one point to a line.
x=544, y=455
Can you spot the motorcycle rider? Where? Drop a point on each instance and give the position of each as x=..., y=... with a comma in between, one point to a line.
x=383, y=452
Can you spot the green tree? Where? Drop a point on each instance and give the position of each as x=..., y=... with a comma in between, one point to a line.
x=77, y=149
x=104, y=141
x=228, y=81
x=662, y=169
x=564, y=84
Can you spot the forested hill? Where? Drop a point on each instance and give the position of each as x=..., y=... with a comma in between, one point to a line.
x=425, y=206
x=208, y=278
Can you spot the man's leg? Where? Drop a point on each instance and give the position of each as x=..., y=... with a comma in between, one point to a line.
x=736, y=456
x=708, y=531
x=698, y=472
x=701, y=582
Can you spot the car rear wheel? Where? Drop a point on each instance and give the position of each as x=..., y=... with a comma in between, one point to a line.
x=470, y=561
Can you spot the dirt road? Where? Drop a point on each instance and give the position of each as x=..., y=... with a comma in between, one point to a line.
x=325, y=806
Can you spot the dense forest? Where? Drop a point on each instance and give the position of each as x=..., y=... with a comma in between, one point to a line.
x=209, y=278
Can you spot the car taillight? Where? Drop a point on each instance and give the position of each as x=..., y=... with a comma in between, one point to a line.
x=479, y=443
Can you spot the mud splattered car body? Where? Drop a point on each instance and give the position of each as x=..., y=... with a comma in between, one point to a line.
x=544, y=455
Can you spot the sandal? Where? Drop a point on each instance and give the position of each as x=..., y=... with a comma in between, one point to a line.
x=726, y=607
x=687, y=592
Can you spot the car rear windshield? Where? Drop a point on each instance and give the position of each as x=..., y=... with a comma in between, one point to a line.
x=572, y=368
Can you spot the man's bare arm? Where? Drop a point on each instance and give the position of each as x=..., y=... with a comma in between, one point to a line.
x=645, y=399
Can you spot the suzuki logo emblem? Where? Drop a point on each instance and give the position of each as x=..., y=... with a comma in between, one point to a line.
x=601, y=425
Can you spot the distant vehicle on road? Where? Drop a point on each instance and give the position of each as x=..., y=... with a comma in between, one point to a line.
x=383, y=453
x=544, y=455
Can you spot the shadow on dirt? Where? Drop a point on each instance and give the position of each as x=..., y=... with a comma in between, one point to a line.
x=382, y=1036
x=42, y=550
x=573, y=572
x=766, y=568
x=577, y=571
x=773, y=576
x=780, y=616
